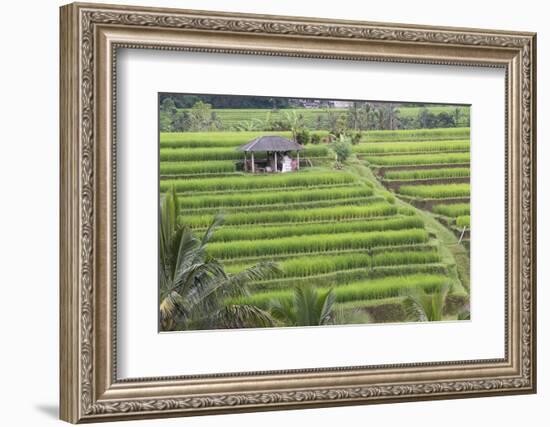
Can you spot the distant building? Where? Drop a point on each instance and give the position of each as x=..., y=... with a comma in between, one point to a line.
x=342, y=104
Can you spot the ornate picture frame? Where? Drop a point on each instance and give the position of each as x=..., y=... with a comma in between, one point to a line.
x=90, y=37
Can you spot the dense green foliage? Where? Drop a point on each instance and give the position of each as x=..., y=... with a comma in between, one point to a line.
x=217, y=112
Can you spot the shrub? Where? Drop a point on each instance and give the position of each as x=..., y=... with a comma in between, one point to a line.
x=303, y=137
x=355, y=137
x=342, y=148
x=315, y=138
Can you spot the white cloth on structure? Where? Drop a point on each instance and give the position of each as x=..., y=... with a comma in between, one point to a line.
x=287, y=164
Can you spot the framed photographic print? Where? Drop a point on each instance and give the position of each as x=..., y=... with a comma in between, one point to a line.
x=266, y=212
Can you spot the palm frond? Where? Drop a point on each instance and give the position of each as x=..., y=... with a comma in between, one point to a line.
x=424, y=307
x=243, y=316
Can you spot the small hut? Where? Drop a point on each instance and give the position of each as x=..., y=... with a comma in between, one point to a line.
x=278, y=151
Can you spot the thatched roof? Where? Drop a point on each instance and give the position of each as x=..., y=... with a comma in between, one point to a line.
x=270, y=143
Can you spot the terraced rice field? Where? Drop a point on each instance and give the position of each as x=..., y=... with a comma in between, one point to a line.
x=330, y=228
x=430, y=173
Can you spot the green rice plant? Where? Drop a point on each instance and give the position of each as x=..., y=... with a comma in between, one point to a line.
x=211, y=139
x=418, y=159
x=273, y=197
x=225, y=153
x=227, y=234
x=337, y=213
x=315, y=243
x=261, y=182
x=344, y=277
x=463, y=221
x=314, y=204
x=416, y=134
x=199, y=154
x=217, y=139
x=308, y=266
x=411, y=147
x=192, y=168
x=387, y=287
x=437, y=191
x=452, y=210
x=427, y=173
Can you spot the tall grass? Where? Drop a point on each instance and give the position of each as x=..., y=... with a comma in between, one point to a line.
x=438, y=191
x=452, y=210
x=418, y=159
x=386, y=287
x=315, y=243
x=227, y=234
x=427, y=173
x=336, y=213
x=411, y=147
x=191, y=168
x=273, y=197
x=261, y=182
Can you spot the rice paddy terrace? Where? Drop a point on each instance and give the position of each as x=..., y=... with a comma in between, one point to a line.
x=342, y=229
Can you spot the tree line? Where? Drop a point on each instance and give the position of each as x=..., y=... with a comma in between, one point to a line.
x=360, y=116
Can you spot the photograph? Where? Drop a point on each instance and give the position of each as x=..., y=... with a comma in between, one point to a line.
x=294, y=212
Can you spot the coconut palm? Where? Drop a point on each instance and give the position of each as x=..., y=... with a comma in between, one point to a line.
x=194, y=285
x=307, y=307
x=249, y=125
x=424, y=307
x=294, y=121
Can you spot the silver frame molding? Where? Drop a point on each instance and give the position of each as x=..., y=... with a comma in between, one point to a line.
x=90, y=37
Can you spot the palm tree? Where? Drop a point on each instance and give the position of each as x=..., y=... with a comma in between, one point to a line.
x=425, y=307
x=249, y=125
x=294, y=122
x=194, y=285
x=307, y=307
